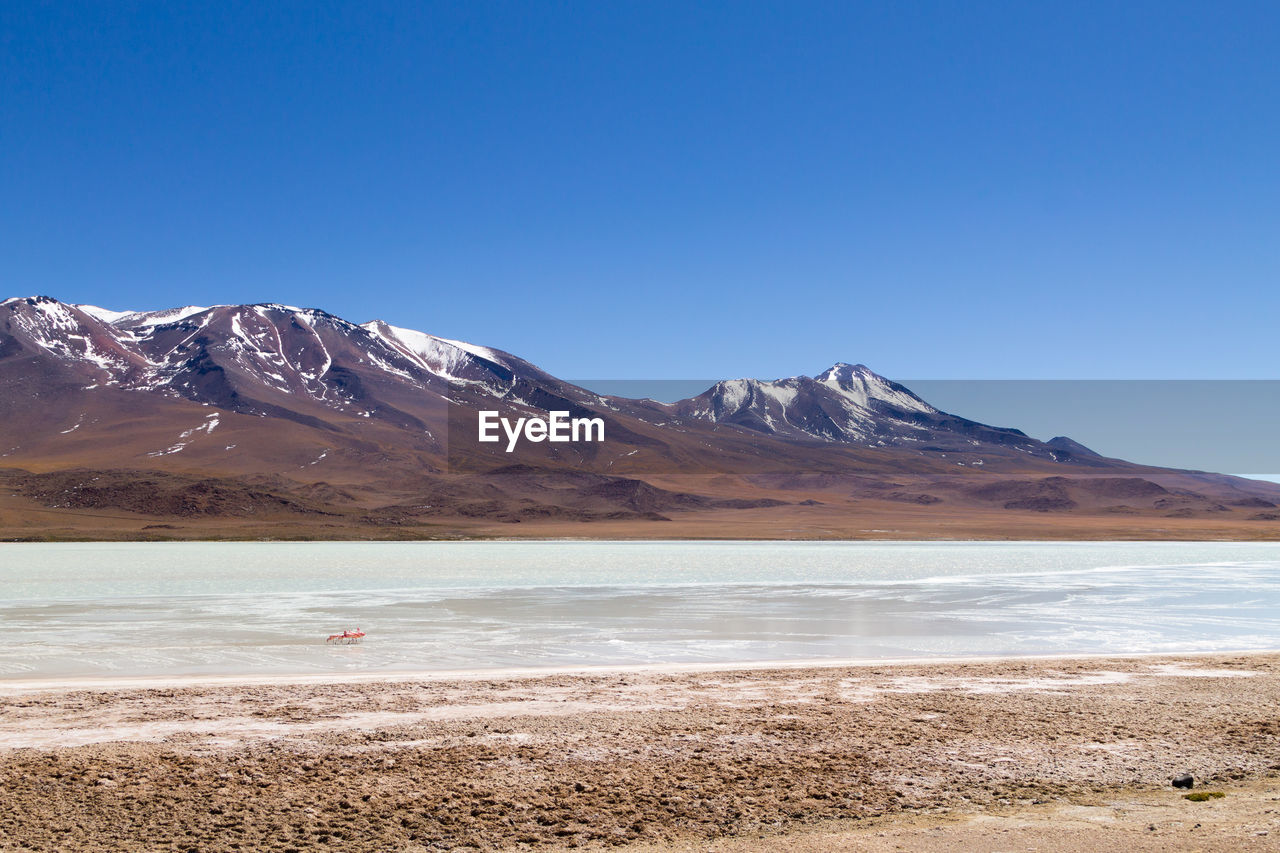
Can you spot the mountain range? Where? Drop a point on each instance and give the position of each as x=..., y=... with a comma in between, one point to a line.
x=270, y=420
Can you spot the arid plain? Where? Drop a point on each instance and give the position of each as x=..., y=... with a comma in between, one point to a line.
x=1051, y=754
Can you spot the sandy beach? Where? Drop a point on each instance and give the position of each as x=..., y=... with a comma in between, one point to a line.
x=1048, y=754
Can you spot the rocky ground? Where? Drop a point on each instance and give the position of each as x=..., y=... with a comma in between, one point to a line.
x=890, y=756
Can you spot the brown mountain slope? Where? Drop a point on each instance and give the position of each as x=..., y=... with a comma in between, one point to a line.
x=267, y=420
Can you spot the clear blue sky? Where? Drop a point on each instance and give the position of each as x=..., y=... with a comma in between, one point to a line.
x=648, y=189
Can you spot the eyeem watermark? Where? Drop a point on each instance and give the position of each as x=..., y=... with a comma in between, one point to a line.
x=556, y=427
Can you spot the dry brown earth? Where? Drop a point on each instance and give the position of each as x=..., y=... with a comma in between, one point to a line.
x=1049, y=754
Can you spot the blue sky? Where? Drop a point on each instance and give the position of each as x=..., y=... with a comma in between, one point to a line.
x=638, y=190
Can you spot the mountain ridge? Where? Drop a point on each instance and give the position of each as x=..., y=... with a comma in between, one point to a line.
x=367, y=418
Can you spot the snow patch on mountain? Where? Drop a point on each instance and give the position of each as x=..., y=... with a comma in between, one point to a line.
x=448, y=359
x=66, y=332
x=474, y=349
x=106, y=315
x=146, y=319
x=142, y=319
x=861, y=387
x=209, y=424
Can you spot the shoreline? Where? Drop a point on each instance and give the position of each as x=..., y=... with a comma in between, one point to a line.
x=1140, y=537
x=299, y=679
x=958, y=754
x=676, y=540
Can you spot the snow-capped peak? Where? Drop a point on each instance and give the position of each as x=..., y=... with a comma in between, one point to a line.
x=70, y=334
x=141, y=319
x=844, y=370
x=443, y=357
x=148, y=319
x=846, y=402
x=861, y=386
x=106, y=315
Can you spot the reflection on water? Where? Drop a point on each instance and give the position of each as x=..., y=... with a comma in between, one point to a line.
x=142, y=609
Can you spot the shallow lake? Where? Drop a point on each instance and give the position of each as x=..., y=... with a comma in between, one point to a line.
x=141, y=609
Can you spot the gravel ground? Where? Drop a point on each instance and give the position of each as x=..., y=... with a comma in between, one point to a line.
x=892, y=756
